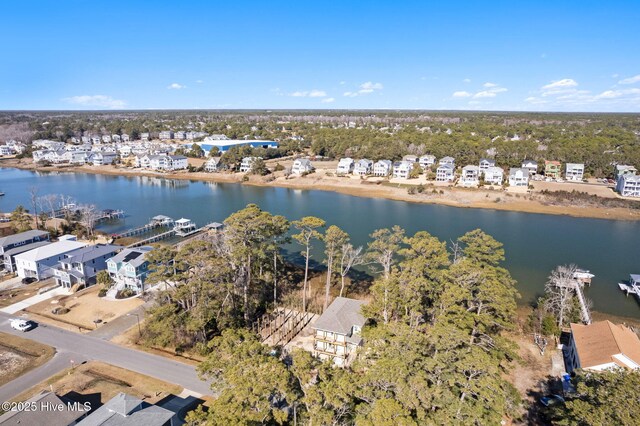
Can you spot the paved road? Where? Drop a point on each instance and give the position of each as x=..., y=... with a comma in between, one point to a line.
x=121, y=324
x=68, y=343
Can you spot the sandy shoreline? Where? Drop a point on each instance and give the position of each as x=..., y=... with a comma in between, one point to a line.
x=435, y=193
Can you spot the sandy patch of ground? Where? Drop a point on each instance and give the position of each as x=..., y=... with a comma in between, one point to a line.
x=18, y=355
x=21, y=292
x=107, y=381
x=84, y=307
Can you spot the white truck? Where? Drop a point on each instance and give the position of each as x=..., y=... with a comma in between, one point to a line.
x=21, y=325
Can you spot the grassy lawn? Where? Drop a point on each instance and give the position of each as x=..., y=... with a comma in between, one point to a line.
x=106, y=381
x=18, y=355
x=15, y=295
x=83, y=308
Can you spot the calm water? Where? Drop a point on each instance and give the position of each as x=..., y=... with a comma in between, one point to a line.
x=534, y=243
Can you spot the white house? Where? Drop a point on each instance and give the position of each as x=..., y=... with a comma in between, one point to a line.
x=623, y=169
x=402, y=169
x=6, y=150
x=116, y=138
x=180, y=135
x=124, y=137
x=410, y=158
x=212, y=165
x=143, y=161
x=106, y=138
x=124, y=150
x=81, y=266
x=518, y=177
x=470, y=176
x=301, y=166
x=165, y=135
x=382, y=168
x=145, y=136
x=337, y=332
x=345, y=166
x=427, y=161
x=530, y=165
x=445, y=173
x=39, y=263
x=574, y=171
x=178, y=162
x=628, y=185
x=601, y=346
x=103, y=158
x=447, y=161
x=485, y=163
x=494, y=176
x=363, y=167
x=247, y=164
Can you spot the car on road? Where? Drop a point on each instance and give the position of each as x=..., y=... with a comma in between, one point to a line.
x=22, y=325
x=29, y=280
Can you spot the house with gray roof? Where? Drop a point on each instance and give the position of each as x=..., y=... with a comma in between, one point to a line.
x=129, y=269
x=337, y=331
x=66, y=413
x=128, y=410
x=82, y=265
x=19, y=243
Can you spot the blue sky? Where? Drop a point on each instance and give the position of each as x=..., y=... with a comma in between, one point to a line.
x=498, y=55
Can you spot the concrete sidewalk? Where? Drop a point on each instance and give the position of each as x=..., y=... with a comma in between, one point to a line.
x=12, y=309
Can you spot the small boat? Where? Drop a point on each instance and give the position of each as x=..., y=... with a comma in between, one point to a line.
x=1, y=193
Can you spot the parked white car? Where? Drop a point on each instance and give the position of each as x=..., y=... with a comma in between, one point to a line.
x=22, y=325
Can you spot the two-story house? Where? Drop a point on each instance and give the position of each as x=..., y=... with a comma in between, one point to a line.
x=382, y=168
x=363, y=167
x=12, y=245
x=82, y=265
x=470, y=175
x=301, y=166
x=129, y=268
x=574, y=171
x=337, y=331
x=345, y=166
x=40, y=262
x=552, y=169
x=518, y=177
x=445, y=173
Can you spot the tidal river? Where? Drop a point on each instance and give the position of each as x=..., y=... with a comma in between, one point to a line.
x=534, y=243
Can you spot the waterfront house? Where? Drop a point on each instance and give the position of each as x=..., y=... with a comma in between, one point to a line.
x=95, y=139
x=363, y=167
x=601, y=346
x=124, y=137
x=82, y=265
x=530, y=165
x=6, y=150
x=116, y=138
x=247, y=164
x=178, y=162
x=103, y=158
x=81, y=157
x=485, y=163
x=106, y=138
x=574, y=171
x=426, y=161
x=86, y=139
x=447, y=161
x=552, y=169
x=212, y=165
x=410, y=158
x=165, y=135
x=494, y=176
x=180, y=135
x=301, y=166
x=445, y=173
x=628, y=185
x=129, y=268
x=159, y=162
x=12, y=245
x=39, y=263
x=124, y=150
x=402, y=169
x=145, y=136
x=518, y=177
x=382, y=168
x=624, y=170
x=470, y=176
x=345, y=166
x=143, y=161
x=337, y=331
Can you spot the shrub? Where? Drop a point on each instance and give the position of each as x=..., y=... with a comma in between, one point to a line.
x=102, y=292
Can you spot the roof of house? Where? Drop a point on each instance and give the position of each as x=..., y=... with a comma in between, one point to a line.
x=598, y=342
x=133, y=256
x=23, y=236
x=50, y=250
x=341, y=316
x=85, y=254
x=514, y=170
x=27, y=247
x=64, y=417
x=471, y=167
x=445, y=167
x=124, y=409
x=383, y=162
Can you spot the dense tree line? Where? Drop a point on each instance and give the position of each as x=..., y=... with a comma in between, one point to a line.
x=434, y=348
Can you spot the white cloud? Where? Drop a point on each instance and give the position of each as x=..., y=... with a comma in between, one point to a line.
x=350, y=94
x=371, y=86
x=616, y=75
x=342, y=83
x=461, y=94
x=199, y=81
x=614, y=94
x=630, y=80
x=327, y=100
x=466, y=80
x=485, y=94
x=317, y=94
x=491, y=92
x=364, y=89
x=176, y=86
x=487, y=84
x=101, y=101
x=560, y=84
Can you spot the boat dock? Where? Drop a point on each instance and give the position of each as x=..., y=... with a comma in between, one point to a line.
x=182, y=228
x=156, y=222
x=632, y=286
